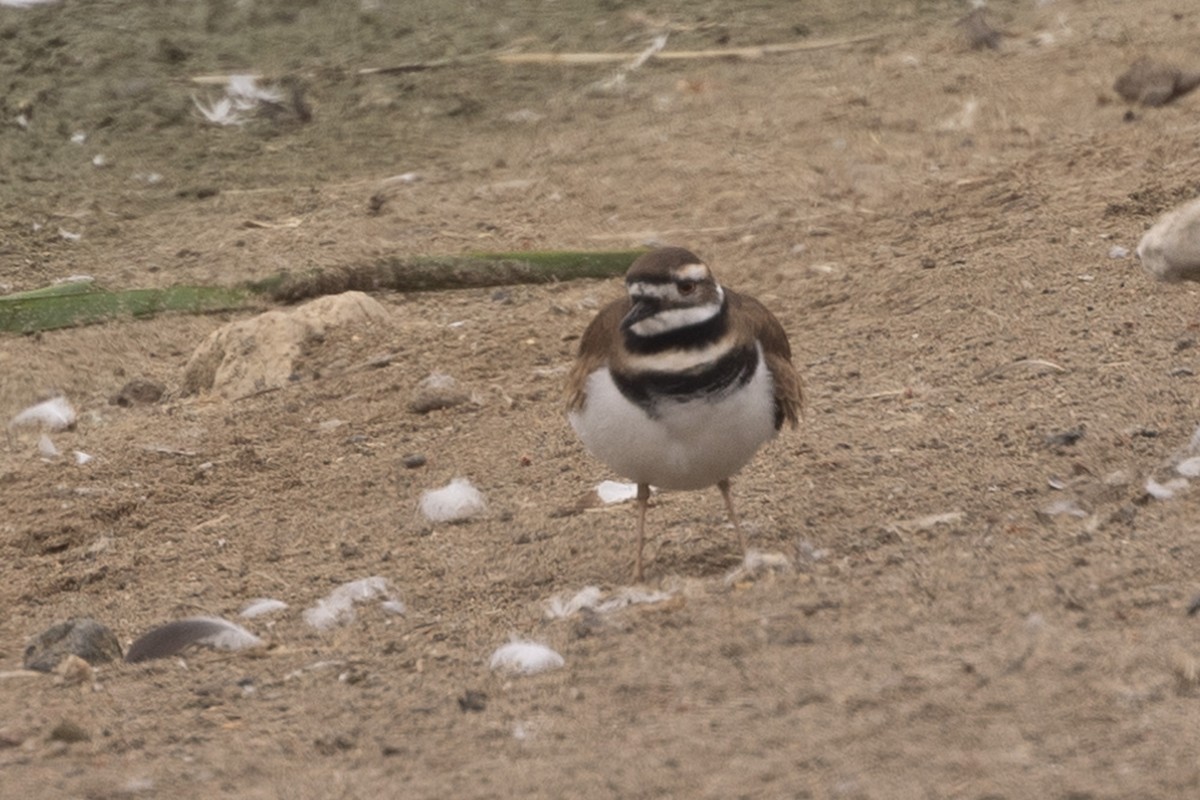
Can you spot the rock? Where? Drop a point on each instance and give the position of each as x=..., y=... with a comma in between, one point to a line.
x=473, y=700
x=436, y=392
x=977, y=33
x=260, y=353
x=1170, y=251
x=138, y=392
x=86, y=638
x=1154, y=83
x=68, y=732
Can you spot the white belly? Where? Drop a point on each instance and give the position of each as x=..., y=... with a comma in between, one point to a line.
x=689, y=445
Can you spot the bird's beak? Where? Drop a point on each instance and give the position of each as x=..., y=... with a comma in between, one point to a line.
x=643, y=307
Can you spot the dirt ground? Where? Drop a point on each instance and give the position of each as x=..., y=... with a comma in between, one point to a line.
x=984, y=601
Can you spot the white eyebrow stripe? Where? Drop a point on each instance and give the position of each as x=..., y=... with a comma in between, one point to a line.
x=691, y=272
x=671, y=319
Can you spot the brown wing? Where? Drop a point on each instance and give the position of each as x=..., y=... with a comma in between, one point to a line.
x=789, y=390
x=594, y=348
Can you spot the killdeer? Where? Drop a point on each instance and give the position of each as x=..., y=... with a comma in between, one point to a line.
x=679, y=383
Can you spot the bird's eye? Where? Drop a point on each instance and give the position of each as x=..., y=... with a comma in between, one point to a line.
x=685, y=287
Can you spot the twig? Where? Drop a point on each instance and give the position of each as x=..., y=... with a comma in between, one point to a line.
x=882, y=395
x=587, y=59
x=1037, y=366
x=167, y=451
x=415, y=66
x=757, y=51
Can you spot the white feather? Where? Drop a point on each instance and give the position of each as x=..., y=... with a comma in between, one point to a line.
x=560, y=607
x=220, y=112
x=56, y=414
x=1165, y=491
x=337, y=607
x=592, y=599
x=525, y=657
x=233, y=637
x=246, y=93
x=261, y=606
x=393, y=606
x=46, y=447
x=756, y=564
x=611, y=492
x=458, y=500
x=242, y=93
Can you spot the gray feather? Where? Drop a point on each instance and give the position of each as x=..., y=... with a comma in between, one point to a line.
x=175, y=637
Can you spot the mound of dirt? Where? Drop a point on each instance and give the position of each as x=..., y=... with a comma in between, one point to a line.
x=259, y=354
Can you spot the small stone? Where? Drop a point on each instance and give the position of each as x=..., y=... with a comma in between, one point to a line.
x=11, y=737
x=1154, y=83
x=1064, y=438
x=978, y=34
x=472, y=700
x=138, y=392
x=68, y=732
x=380, y=361
x=86, y=638
x=436, y=392
x=413, y=461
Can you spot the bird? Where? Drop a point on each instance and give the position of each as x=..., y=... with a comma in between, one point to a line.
x=678, y=383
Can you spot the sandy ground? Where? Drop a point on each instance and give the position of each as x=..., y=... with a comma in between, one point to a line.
x=984, y=601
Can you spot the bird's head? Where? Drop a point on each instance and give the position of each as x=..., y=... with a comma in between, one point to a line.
x=671, y=289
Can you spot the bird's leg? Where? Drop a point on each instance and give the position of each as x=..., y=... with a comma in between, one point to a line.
x=727, y=494
x=643, y=500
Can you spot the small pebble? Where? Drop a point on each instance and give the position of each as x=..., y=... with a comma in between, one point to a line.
x=1154, y=83
x=413, y=461
x=473, y=700
x=436, y=392
x=138, y=392
x=68, y=732
x=977, y=33
x=1064, y=438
